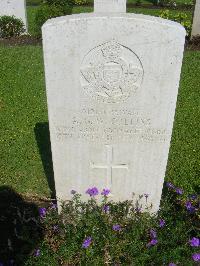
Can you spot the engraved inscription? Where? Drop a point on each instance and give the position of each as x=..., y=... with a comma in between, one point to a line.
x=111, y=72
x=113, y=126
x=109, y=166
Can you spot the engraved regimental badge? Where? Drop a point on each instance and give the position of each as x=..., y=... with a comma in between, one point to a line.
x=111, y=72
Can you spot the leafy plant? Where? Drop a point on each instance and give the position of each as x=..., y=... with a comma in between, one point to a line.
x=51, y=9
x=110, y=233
x=61, y=3
x=44, y=13
x=181, y=18
x=164, y=3
x=165, y=14
x=81, y=2
x=138, y=2
x=11, y=26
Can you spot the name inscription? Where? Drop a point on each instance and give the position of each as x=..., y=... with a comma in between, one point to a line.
x=120, y=125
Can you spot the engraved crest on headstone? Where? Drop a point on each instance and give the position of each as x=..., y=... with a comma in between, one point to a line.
x=111, y=72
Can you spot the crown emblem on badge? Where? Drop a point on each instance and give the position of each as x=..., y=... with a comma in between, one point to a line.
x=111, y=50
x=111, y=72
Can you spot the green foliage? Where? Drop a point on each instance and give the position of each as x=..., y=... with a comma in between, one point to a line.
x=51, y=9
x=64, y=4
x=138, y=2
x=180, y=17
x=170, y=3
x=81, y=2
x=84, y=233
x=11, y=26
x=33, y=2
x=44, y=13
x=165, y=14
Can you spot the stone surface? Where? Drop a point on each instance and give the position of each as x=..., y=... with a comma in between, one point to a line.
x=112, y=83
x=112, y=6
x=196, y=20
x=15, y=8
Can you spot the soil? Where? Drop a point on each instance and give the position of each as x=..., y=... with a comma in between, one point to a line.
x=193, y=44
x=21, y=40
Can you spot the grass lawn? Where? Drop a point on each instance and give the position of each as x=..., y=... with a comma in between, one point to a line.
x=24, y=123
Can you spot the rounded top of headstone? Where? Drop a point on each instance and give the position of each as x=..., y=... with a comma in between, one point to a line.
x=137, y=17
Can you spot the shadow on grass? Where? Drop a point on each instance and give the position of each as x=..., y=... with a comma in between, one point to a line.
x=20, y=228
x=44, y=145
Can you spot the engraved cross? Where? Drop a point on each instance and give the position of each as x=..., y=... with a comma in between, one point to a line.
x=109, y=166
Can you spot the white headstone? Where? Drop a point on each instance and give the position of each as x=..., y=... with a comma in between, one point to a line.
x=112, y=82
x=196, y=20
x=109, y=6
x=15, y=8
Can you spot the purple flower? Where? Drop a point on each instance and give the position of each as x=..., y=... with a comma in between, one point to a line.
x=192, y=197
x=189, y=206
x=42, y=212
x=138, y=210
x=194, y=242
x=196, y=257
x=153, y=242
x=169, y=185
x=172, y=264
x=179, y=191
x=87, y=242
x=92, y=191
x=161, y=223
x=106, y=208
x=37, y=253
x=105, y=192
x=1, y=264
x=153, y=233
x=116, y=227
x=53, y=206
x=73, y=192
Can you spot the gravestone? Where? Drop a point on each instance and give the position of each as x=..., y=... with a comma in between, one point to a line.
x=196, y=20
x=112, y=81
x=15, y=8
x=109, y=6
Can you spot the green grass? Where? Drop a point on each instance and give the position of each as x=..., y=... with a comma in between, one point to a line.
x=23, y=109
x=33, y=2
x=31, y=12
x=184, y=160
x=22, y=105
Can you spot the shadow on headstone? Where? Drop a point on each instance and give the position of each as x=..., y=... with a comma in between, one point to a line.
x=44, y=145
x=20, y=228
